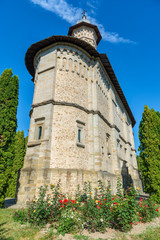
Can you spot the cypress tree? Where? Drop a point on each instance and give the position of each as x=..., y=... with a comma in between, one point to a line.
x=149, y=159
x=9, y=86
x=19, y=153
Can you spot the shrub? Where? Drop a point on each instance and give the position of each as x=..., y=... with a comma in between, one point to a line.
x=146, y=210
x=93, y=209
x=20, y=215
x=71, y=221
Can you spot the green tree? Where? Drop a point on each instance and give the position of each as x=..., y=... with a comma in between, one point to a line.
x=9, y=86
x=149, y=158
x=19, y=153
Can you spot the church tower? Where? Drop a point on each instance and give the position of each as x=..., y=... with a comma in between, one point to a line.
x=81, y=124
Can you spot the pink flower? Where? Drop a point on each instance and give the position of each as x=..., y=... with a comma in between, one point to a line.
x=138, y=213
x=141, y=218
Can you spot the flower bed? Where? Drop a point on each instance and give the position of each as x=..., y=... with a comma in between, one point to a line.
x=94, y=212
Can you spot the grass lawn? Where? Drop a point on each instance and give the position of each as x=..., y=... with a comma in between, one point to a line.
x=10, y=230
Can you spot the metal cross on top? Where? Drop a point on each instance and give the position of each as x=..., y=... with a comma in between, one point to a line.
x=84, y=15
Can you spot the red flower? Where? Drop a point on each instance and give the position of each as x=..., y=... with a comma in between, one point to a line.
x=115, y=203
x=154, y=204
x=105, y=199
x=131, y=223
x=113, y=198
x=157, y=209
x=146, y=206
x=73, y=201
x=65, y=201
x=141, y=218
x=62, y=206
x=60, y=201
x=98, y=207
x=101, y=203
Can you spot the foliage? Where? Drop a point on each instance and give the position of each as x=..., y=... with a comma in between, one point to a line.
x=20, y=216
x=19, y=153
x=146, y=210
x=149, y=159
x=8, y=124
x=93, y=209
x=123, y=209
x=71, y=221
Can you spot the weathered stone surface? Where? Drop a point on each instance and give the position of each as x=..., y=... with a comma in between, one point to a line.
x=74, y=93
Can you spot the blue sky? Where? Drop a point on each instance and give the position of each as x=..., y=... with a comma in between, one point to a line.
x=131, y=40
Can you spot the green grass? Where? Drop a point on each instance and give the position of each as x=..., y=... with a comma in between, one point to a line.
x=10, y=230
x=150, y=234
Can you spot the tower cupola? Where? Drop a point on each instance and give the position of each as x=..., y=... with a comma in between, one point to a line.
x=86, y=31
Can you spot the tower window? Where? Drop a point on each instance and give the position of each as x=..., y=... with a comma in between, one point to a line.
x=39, y=132
x=39, y=128
x=79, y=135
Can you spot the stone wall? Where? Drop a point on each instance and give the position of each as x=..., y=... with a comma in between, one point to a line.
x=72, y=92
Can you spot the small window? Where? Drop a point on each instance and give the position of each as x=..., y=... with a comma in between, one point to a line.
x=39, y=128
x=39, y=132
x=79, y=136
x=108, y=144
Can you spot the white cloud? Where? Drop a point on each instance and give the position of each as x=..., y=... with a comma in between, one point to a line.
x=61, y=8
x=72, y=14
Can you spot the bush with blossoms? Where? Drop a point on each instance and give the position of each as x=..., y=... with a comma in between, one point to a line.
x=92, y=209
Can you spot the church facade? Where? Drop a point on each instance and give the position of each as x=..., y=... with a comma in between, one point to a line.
x=81, y=124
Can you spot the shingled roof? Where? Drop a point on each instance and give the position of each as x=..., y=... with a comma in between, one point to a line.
x=34, y=48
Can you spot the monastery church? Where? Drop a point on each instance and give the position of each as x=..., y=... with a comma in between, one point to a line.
x=81, y=124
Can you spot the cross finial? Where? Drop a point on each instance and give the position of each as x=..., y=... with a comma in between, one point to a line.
x=84, y=16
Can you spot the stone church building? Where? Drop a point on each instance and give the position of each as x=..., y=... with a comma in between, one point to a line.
x=81, y=124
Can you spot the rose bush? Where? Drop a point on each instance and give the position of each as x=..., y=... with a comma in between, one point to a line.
x=93, y=209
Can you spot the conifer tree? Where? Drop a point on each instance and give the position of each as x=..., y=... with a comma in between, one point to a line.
x=149, y=160
x=9, y=86
x=19, y=152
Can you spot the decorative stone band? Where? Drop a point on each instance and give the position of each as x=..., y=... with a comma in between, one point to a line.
x=51, y=101
x=125, y=141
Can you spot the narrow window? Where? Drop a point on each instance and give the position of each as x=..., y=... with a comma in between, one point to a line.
x=39, y=132
x=79, y=135
x=108, y=144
